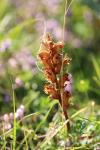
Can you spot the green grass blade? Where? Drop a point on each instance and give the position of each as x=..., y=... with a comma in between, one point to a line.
x=96, y=66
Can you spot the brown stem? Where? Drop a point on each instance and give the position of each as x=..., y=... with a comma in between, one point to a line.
x=64, y=110
x=67, y=118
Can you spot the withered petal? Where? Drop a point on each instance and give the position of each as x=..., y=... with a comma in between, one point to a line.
x=44, y=55
x=57, y=59
x=50, y=89
x=50, y=75
x=59, y=45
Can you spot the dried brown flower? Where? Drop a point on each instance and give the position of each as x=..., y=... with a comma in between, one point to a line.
x=59, y=86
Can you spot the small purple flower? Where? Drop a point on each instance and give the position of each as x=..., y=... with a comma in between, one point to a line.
x=18, y=82
x=51, y=24
x=51, y=4
x=25, y=59
x=69, y=13
x=16, y=115
x=20, y=112
x=6, y=98
x=22, y=107
x=5, y=45
x=7, y=126
x=68, y=87
x=12, y=62
x=70, y=78
x=6, y=117
x=68, y=84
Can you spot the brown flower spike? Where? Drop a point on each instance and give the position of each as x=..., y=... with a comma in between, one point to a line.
x=59, y=83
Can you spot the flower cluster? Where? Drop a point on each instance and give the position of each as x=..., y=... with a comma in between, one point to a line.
x=59, y=82
x=23, y=59
x=7, y=119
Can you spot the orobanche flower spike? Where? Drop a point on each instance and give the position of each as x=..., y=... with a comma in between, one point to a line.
x=59, y=82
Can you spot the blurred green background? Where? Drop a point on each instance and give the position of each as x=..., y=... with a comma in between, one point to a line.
x=22, y=25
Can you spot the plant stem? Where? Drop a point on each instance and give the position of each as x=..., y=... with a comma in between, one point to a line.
x=67, y=118
x=65, y=115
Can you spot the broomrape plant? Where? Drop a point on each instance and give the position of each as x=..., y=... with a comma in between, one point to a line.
x=59, y=82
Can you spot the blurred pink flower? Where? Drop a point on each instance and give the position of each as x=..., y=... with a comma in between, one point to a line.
x=68, y=87
x=5, y=45
x=68, y=84
x=18, y=82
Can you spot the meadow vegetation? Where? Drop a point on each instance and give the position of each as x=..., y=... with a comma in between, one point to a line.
x=48, y=81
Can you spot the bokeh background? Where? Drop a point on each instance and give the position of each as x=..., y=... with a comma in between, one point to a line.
x=22, y=25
